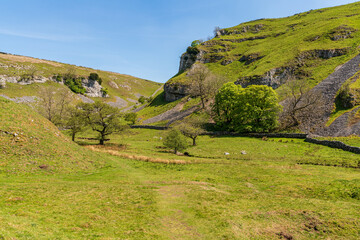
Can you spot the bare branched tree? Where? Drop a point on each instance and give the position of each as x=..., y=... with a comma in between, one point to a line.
x=303, y=108
x=53, y=103
x=204, y=84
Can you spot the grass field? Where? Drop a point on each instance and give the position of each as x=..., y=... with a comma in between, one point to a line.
x=134, y=188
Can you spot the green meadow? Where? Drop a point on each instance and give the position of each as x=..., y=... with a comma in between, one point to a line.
x=134, y=188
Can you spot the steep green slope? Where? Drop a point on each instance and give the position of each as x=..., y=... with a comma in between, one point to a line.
x=309, y=45
x=128, y=88
x=31, y=144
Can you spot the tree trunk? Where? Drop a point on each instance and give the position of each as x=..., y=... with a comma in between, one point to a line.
x=101, y=141
x=194, y=141
x=73, y=137
x=202, y=103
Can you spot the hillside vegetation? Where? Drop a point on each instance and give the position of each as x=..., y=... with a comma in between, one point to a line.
x=128, y=88
x=31, y=144
x=308, y=45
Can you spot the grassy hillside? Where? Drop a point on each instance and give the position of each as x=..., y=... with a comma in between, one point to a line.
x=254, y=48
x=127, y=87
x=31, y=144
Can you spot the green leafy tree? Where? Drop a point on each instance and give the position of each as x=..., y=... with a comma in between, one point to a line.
x=103, y=119
x=131, y=117
x=75, y=121
x=175, y=140
x=251, y=109
x=192, y=128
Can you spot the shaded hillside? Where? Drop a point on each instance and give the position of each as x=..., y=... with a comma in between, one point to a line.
x=31, y=144
x=122, y=90
x=306, y=46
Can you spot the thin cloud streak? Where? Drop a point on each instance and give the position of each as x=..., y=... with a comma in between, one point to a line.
x=47, y=37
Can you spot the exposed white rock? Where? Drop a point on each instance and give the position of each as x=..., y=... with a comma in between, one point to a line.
x=93, y=88
x=113, y=84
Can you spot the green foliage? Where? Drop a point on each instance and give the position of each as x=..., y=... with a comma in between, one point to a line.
x=344, y=98
x=75, y=122
x=142, y=99
x=104, y=91
x=102, y=118
x=251, y=109
x=75, y=84
x=192, y=127
x=196, y=43
x=95, y=77
x=175, y=140
x=282, y=42
x=131, y=117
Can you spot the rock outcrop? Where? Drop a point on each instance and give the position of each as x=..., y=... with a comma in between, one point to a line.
x=273, y=78
x=93, y=88
x=23, y=80
x=175, y=91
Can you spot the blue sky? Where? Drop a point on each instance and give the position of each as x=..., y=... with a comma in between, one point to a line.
x=143, y=38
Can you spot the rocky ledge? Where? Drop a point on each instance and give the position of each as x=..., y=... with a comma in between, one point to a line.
x=175, y=91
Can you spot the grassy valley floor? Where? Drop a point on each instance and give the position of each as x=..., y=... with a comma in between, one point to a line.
x=265, y=194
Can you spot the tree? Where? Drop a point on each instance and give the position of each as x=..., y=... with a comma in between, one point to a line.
x=131, y=117
x=303, y=107
x=251, y=109
x=75, y=121
x=53, y=103
x=175, y=140
x=204, y=84
x=103, y=119
x=192, y=128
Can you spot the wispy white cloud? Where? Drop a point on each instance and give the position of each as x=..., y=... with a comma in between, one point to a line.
x=42, y=36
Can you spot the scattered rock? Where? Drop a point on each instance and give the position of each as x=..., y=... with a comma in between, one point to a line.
x=243, y=152
x=120, y=103
x=226, y=153
x=113, y=84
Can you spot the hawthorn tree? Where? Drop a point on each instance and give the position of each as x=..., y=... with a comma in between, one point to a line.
x=103, y=119
x=175, y=140
x=75, y=122
x=251, y=109
x=192, y=128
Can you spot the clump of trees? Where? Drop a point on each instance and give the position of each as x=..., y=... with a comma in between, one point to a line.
x=55, y=105
x=251, y=109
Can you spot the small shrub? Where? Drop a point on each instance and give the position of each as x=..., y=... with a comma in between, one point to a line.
x=95, y=77
x=142, y=99
x=104, y=91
